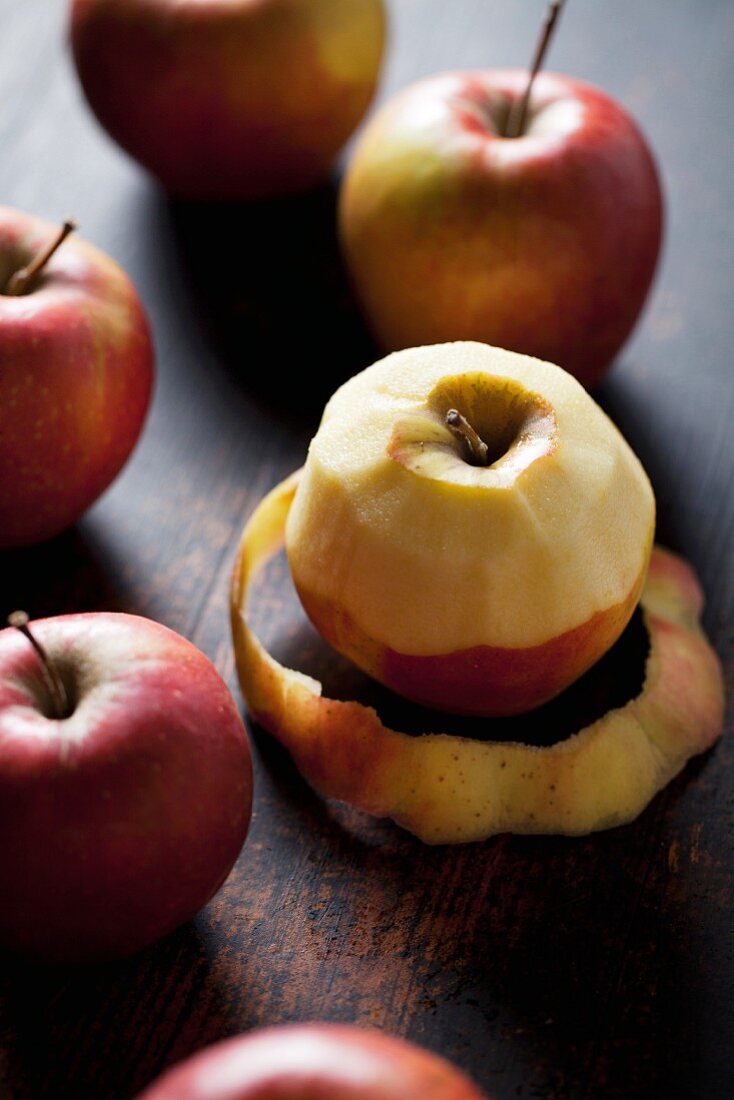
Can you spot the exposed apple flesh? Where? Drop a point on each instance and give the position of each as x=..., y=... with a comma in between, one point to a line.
x=314, y=1062
x=448, y=789
x=474, y=589
x=545, y=243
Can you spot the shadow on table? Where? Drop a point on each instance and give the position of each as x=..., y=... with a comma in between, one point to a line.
x=645, y=429
x=267, y=283
x=89, y=568
x=70, y=573
x=138, y=1015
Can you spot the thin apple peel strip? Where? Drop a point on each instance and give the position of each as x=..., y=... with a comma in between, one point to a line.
x=449, y=789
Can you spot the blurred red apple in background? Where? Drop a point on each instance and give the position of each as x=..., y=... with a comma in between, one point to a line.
x=229, y=99
x=545, y=243
x=125, y=789
x=76, y=378
x=314, y=1062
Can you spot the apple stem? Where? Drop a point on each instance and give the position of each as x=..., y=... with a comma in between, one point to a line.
x=54, y=683
x=516, y=121
x=21, y=281
x=462, y=429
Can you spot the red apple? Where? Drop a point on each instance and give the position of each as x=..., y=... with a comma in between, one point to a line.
x=544, y=243
x=314, y=1062
x=75, y=382
x=121, y=818
x=229, y=99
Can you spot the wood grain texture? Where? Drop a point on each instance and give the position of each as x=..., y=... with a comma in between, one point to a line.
x=551, y=968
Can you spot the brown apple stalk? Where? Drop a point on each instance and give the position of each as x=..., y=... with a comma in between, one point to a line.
x=54, y=683
x=462, y=429
x=22, y=280
x=516, y=121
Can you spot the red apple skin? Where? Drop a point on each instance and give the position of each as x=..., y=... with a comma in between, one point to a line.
x=314, y=1062
x=120, y=822
x=229, y=99
x=75, y=384
x=545, y=244
x=482, y=680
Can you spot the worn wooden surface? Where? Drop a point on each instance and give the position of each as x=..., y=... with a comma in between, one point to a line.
x=551, y=968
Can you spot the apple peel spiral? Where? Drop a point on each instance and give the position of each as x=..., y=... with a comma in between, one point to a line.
x=449, y=789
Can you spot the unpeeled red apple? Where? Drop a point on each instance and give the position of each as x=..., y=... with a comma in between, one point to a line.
x=76, y=373
x=124, y=805
x=314, y=1062
x=545, y=243
x=479, y=589
x=229, y=99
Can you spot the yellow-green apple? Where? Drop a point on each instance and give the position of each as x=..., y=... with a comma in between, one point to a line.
x=229, y=99
x=314, y=1062
x=75, y=382
x=448, y=788
x=545, y=243
x=125, y=790
x=474, y=588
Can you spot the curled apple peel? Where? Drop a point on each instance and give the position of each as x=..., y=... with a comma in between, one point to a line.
x=449, y=789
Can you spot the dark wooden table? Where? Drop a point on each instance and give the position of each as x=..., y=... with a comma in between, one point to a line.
x=547, y=967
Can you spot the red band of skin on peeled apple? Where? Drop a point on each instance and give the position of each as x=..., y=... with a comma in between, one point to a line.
x=449, y=789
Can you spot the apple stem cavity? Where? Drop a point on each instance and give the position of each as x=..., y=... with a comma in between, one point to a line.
x=518, y=114
x=22, y=280
x=54, y=683
x=463, y=430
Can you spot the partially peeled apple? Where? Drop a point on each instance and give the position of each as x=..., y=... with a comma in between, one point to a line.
x=474, y=588
x=477, y=584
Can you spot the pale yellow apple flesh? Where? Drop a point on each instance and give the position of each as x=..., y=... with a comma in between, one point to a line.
x=474, y=589
x=448, y=789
